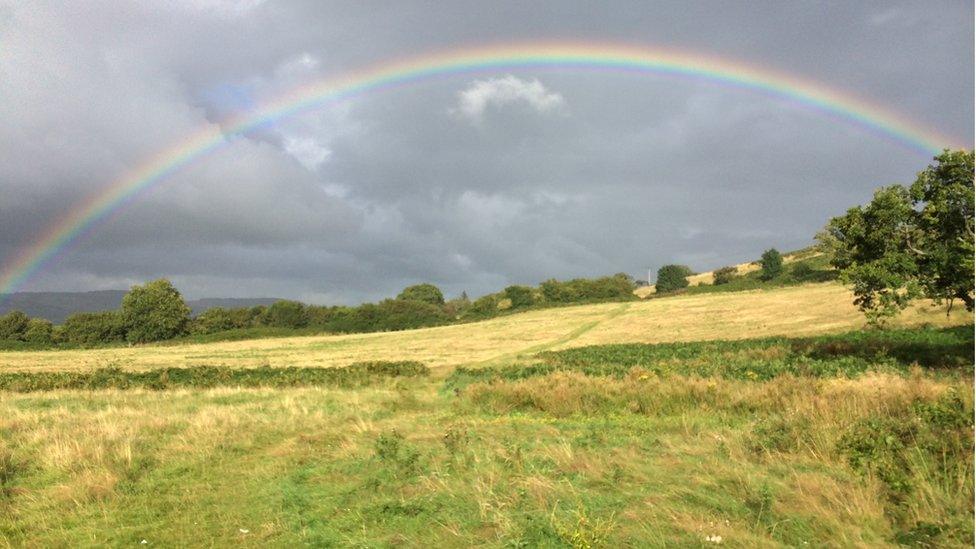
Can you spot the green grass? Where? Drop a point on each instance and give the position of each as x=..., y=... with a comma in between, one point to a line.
x=856, y=439
x=849, y=355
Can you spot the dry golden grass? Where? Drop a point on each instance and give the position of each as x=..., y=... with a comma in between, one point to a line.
x=797, y=310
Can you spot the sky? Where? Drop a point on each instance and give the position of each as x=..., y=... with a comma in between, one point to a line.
x=471, y=182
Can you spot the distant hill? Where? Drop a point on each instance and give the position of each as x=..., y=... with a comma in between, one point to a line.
x=56, y=306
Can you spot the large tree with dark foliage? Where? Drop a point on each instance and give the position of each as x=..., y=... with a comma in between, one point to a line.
x=771, y=264
x=909, y=242
x=153, y=312
x=671, y=278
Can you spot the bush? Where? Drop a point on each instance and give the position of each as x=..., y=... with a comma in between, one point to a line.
x=13, y=326
x=426, y=293
x=671, y=278
x=484, y=306
x=771, y=263
x=154, y=311
x=724, y=275
x=387, y=315
x=39, y=331
x=89, y=329
x=457, y=306
x=286, y=314
x=619, y=286
x=520, y=296
x=213, y=320
x=326, y=317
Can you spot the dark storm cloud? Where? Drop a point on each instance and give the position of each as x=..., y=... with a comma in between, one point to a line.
x=472, y=182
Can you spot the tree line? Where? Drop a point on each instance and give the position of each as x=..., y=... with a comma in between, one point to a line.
x=156, y=311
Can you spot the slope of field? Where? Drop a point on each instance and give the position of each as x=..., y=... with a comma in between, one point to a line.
x=861, y=439
x=797, y=310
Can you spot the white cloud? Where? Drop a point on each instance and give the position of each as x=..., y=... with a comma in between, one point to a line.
x=498, y=92
x=309, y=152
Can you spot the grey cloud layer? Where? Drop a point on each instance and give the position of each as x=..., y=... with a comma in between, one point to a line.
x=563, y=174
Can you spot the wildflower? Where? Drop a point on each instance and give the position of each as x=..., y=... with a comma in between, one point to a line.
x=243, y=530
x=713, y=539
x=143, y=542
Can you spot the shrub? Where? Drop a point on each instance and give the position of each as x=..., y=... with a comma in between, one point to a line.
x=520, y=296
x=426, y=293
x=484, y=305
x=672, y=277
x=457, y=306
x=771, y=263
x=154, y=311
x=286, y=314
x=555, y=291
x=13, y=326
x=328, y=317
x=211, y=321
x=39, y=331
x=618, y=286
x=802, y=271
x=387, y=315
x=88, y=329
x=724, y=275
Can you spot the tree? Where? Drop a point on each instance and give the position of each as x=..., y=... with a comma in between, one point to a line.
x=89, y=329
x=671, y=278
x=771, y=264
x=427, y=293
x=486, y=305
x=943, y=238
x=520, y=296
x=286, y=314
x=153, y=312
x=13, y=325
x=39, y=331
x=909, y=242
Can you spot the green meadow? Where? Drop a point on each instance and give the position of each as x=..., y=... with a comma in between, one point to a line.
x=844, y=437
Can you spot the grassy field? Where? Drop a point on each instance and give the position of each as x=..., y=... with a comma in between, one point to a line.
x=744, y=419
x=797, y=310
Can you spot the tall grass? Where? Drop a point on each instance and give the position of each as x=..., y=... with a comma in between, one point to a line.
x=609, y=445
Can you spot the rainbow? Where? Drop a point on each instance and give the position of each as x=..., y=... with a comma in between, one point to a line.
x=86, y=216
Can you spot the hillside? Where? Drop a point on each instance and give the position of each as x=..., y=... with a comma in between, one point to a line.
x=797, y=310
x=566, y=427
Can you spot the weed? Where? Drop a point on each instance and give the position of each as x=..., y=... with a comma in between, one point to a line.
x=392, y=448
x=455, y=440
x=584, y=532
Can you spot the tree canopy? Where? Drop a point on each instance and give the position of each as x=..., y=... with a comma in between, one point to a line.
x=671, y=278
x=426, y=293
x=153, y=312
x=771, y=263
x=909, y=242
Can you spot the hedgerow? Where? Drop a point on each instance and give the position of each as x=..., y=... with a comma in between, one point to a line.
x=203, y=377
